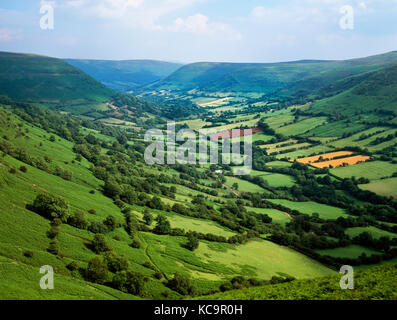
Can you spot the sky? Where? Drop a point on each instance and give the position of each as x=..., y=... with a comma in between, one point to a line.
x=200, y=30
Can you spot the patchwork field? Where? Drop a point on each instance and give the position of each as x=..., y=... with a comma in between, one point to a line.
x=375, y=232
x=324, y=157
x=386, y=187
x=274, y=179
x=243, y=185
x=373, y=170
x=301, y=127
x=277, y=216
x=349, y=161
x=324, y=211
x=320, y=149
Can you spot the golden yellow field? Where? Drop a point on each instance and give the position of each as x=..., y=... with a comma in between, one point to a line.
x=324, y=157
x=340, y=162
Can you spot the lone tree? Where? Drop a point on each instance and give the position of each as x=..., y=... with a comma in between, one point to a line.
x=192, y=242
x=147, y=217
x=51, y=207
x=97, y=271
x=111, y=223
x=78, y=220
x=99, y=244
x=163, y=226
x=181, y=285
x=129, y=281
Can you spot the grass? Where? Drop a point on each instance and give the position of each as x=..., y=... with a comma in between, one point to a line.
x=243, y=185
x=276, y=215
x=279, y=164
x=352, y=251
x=305, y=152
x=19, y=281
x=371, y=284
x=373, y=170
x=50, y=82
x=301, y=126
x=198, y=225
x=275, y=180
x=386, y=187
x=262, y=259
x=375, y=232
x=324, y=211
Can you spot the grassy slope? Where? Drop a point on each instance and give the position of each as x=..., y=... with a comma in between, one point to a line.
x=324, y=211
x=372, y=284
x=373, y=170
x=387, y=187
x=48, y=81
x=24, y=230
x=374, y=90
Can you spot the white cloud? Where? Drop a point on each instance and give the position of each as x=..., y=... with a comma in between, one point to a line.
x=7, y=35
x=200, y=24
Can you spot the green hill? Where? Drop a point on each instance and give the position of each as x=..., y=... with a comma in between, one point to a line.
x=125, y=75
x=276, y=80
x=366, y=93
x=372, y=284
x=48, y=81
x=55, y=84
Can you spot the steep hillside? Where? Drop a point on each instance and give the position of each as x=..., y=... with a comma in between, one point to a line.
x=372, y=284
x=125, y=75
x=55, y=84
x=48, y=81
x=372, y=92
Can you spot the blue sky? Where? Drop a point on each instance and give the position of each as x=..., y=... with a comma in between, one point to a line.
x=200, y=30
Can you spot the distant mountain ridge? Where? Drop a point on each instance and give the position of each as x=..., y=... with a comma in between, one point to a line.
x=285, y=79
x=125, y=75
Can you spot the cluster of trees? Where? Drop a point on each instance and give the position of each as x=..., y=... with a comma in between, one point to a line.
x=240, y=282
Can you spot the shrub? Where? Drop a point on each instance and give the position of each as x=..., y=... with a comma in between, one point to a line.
x=78, y=220
x=129, y=281
x=149, y=265
x=56, y=222
x=111, y=223
x=158, y=275
x=73, y=266
x=96, y=271
x=28, y=254
x=147, y=217
x=192, y=242
x=181, y=285
x=51, y=207
x=23, y=169
x=116, y=263
x=53, y=232
x=53, y=248
x=99, y=244
x=13, y=171
x=98, y=227
x=163, y=226
x=112, y=189
x=135, y=244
